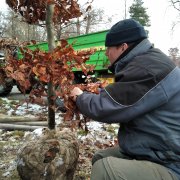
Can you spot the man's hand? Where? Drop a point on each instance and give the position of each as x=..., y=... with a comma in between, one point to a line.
x=76, y=92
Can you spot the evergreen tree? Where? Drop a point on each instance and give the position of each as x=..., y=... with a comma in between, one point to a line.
x=139, y=13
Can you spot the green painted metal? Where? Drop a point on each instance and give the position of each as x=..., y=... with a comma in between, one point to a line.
x=84, y=42
x=93, y=40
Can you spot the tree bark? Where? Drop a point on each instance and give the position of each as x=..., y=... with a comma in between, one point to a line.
x=88, y=23
x=78, y=26
x=51, y=45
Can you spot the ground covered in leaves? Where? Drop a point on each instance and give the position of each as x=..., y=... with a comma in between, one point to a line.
x=99, y=136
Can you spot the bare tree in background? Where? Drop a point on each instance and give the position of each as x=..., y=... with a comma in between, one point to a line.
x=176, y=4
x=91, y=21
x=12, y=25
x=3, y=24
x=174, y=55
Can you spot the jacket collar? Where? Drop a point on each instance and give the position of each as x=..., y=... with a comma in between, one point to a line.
x=141, y=48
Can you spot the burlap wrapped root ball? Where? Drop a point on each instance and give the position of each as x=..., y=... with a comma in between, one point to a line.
x=53, y=156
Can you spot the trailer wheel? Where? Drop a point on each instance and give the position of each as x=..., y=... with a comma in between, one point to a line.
x=26, y=92
x=5, y=84
x=4, y=91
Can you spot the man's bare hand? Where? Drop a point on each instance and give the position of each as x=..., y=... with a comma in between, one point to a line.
x=76, y=92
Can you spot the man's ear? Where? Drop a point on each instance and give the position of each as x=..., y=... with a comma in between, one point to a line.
x=124, y=46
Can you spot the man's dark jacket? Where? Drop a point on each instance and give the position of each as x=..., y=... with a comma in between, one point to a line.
x=145, y=100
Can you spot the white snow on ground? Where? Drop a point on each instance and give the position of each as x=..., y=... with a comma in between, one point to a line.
x=28, y=110
x=36, y=109
x=23, y=109
x=12, y=166
x=34, y=134
x=93, y=125
x=31, y=110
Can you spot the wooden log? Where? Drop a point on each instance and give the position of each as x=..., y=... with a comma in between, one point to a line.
x=18, y=127
x=35, y=123
x=5, y=118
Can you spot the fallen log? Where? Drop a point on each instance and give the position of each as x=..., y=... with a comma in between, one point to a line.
x=18, y=127
x=5, y=118
x=36, y=123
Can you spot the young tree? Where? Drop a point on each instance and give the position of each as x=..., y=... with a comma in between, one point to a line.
x=51, y=12
x=49, y=67
x=55, y=155
x=139, y=13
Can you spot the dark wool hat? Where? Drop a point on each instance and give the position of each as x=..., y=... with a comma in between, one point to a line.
x=125, y=31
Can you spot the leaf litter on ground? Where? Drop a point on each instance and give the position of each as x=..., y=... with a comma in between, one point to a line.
x=99, y=136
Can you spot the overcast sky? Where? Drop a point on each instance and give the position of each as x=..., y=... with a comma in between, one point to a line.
x=162, y=16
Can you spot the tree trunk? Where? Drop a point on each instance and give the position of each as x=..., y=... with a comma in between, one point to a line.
x=13, y=35
x=58, y=32
x=78, y=26
x=33, y=32
x=51, y=44
x=88, y=23
x=28, y=32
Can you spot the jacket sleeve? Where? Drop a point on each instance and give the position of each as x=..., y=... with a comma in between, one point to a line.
x=104, y=108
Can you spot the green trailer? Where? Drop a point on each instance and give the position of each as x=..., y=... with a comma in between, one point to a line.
x=98, y=59
x=82, y=42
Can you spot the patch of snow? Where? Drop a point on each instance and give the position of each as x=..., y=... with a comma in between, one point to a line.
x=38, y=132
x=45, y=170
x=34, y=134
x=6, y=99
x=9, y=113
x=11, y=168
x=59, y=162
x=58, y=118
x=6, y=174
x=23, y=109
x=93, y=125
